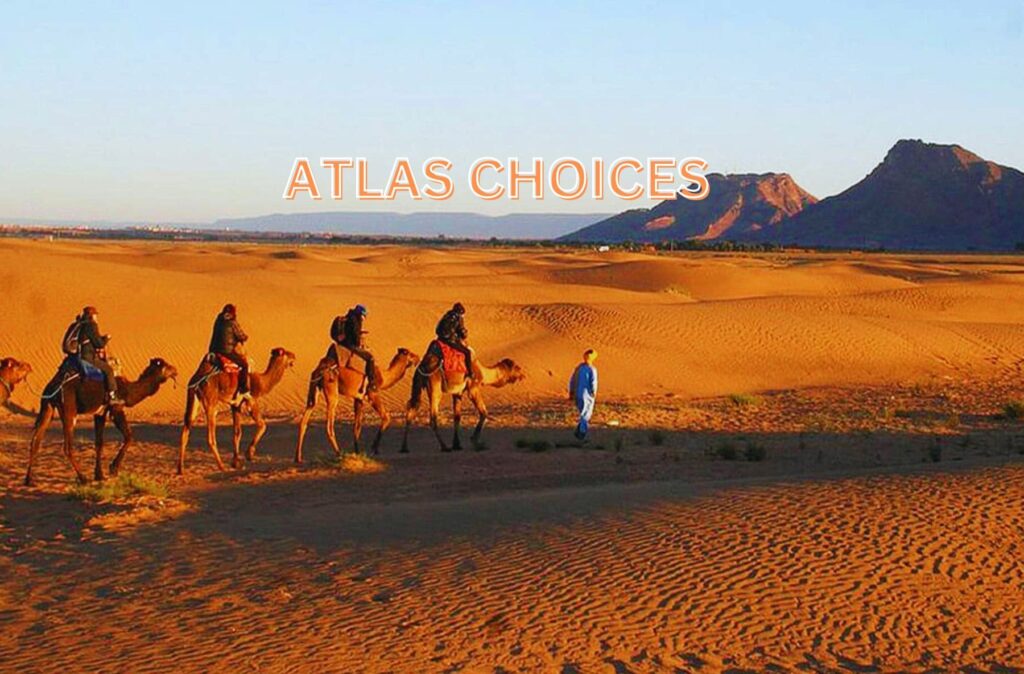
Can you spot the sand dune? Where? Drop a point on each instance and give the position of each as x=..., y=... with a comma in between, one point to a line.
x=693, y=325
x=648, y=552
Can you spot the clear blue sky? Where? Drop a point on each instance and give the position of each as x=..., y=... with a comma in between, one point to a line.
x=194, y=110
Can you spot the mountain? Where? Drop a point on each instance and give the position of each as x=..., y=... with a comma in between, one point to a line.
x=737, y=206
x=922, y=196
x=455, y=225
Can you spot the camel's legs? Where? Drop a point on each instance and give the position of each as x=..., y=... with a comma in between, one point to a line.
x=303, y=425
x=43, y=419
x=99, y=422
x=456, y=421
x=434, y=395
x=191, y=413
x=68, y=417
x=121, y=421
x=476, y=397
x=332, y=414
x=236, y=438
x=261, y=429
x=385, y=420
x=211, y=434
x=357, y=423
x=411, y=411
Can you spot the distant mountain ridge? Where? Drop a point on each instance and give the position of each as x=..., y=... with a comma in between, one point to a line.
x=737, y=205
x=922, y=196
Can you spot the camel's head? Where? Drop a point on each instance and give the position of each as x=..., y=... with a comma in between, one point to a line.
x=161, y=370
x=513, y=372
x=15, y=370
x=279, y=353
x=411, y=359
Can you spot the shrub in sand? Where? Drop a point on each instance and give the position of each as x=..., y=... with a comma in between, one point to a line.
x=120, y=488
x=656, y=438
x=1014, y=409
x=744, y=399
x=726, y=451
x=534, y=444
x=755, y=453
x=350, y=462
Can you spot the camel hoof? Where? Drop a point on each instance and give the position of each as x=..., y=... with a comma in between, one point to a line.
x=403, y=450
x=30, y=482
x=82, y=479
x=446, y=449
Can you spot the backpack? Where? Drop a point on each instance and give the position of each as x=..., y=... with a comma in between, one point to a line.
x=70, y=344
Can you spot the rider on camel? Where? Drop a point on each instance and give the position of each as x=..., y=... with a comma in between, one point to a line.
x=84, y=339
x=227, y=340
x=451, y=331
x=347, y=332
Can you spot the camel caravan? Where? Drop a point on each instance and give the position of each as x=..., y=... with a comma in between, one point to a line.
x=88, y=383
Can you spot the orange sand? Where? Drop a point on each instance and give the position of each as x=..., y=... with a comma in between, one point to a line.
x=847, y=549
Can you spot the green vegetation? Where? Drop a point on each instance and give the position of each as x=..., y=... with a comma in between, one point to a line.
x=744, y=399
x=534, y=444
x=350, y=462
x=726, y=451
x=1014, y=409
x=755, y=453
x=120, y=488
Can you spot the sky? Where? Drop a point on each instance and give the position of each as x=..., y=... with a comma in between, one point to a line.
x=192, y=111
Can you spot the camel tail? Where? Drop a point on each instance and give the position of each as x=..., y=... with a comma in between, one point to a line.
x=311, y=396
x=419, y=382
x=190, y=407
x=45, y=413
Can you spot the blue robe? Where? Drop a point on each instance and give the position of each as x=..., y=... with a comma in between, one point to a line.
x=583, y=389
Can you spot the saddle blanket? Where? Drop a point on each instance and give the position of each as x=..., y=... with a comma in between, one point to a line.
x=453, y=361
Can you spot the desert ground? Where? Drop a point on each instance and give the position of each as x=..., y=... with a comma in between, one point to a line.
x=800, y=462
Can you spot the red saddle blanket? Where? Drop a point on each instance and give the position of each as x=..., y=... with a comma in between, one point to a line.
x=224, y=364
x=452, y=360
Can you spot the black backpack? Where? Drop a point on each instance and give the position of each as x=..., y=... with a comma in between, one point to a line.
x=70, y=344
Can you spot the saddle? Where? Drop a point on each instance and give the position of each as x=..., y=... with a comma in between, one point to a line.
x=75, y=365
x=452, y=361
x=222, y=363
x=72, y=367
x=350, y=360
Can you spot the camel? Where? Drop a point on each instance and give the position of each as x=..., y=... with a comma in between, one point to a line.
x=74, y=395
x=335, y=383
x=430, y=377
x=214, y=388
x=12, y=373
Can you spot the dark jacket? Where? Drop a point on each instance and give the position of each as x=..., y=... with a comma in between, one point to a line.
x=338, y=329
x=352, y=331
x=227, y=334
x=451, y=327
x=90, y=340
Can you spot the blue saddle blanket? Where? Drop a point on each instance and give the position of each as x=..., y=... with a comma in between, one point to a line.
x=83, y=368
